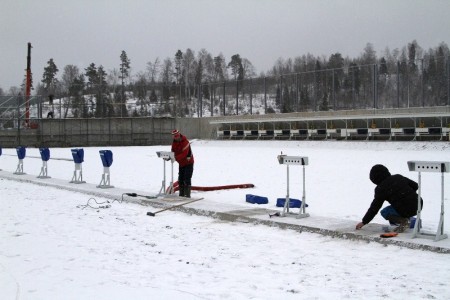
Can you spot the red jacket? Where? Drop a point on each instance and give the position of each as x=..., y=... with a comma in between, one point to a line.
x=182, y=151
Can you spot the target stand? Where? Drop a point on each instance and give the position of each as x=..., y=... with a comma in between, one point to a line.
x=107, y=160
x=45, y=155
x=78, y=158
x=166, y=156
x=434, y=167
x=21, y=152
x=300, y=161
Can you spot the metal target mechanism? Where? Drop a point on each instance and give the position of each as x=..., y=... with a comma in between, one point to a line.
x=21, y=153
x=166, y=156
x=433, y=167
x=45, y=156
x=299, y=161
x=107, y=159
x=78, y=159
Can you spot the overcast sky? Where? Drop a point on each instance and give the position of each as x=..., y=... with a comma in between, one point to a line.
x=80, y=32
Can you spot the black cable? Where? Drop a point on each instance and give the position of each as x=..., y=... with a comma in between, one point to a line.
x=98, y=203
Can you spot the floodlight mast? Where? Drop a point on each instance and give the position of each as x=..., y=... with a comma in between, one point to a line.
x=28, y=88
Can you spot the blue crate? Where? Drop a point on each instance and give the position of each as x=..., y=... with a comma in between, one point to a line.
x=107, y=157
x=254, y=199
x=293, y=203
x=78, y=155
x=21, y=152
x=45, y=154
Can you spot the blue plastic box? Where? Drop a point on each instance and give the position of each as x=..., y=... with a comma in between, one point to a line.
x=293, y=203
x=78, y=155
x=254, y=199
x=45, y=154
x=21, y=152
x=107, y=157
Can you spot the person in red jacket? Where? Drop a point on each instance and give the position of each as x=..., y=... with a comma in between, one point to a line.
x=183, y=155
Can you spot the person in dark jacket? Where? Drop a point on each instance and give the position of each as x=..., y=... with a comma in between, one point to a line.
x=183, y=155
x=399, y=191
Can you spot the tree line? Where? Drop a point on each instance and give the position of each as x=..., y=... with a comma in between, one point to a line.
x=324, y=81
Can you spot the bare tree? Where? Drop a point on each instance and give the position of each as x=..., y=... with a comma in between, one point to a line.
x=70, y=75
x=153, y=69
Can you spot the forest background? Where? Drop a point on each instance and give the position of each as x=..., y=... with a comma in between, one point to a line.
x=198, y=83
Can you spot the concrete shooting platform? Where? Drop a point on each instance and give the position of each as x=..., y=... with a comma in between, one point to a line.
x=336, y=228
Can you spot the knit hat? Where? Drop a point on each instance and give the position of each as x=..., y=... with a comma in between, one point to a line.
x=175, y=132
x=378, y=173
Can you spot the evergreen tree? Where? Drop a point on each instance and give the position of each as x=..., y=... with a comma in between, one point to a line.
x=92, y=75
x=412, y=56
x=178, y=63
x=101, y=100
x=76, y=91
x=236, y=67
x=218, y=68
x=49, y=77
x=124, y=73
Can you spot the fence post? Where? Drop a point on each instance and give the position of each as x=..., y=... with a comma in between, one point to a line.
x=265, y=96
x=211, y=98
x=421, y=81
x=237, y=97
x=296, y=92
x=448, y=81
x=224, y=105
x=375, y=86
x=398, y=84
x=251, y=96
x=334, y=89
x=200, y=97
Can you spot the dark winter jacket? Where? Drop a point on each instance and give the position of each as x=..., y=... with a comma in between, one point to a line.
x=182, y=151
x=398, y=190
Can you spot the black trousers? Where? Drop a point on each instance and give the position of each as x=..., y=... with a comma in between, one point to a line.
x=185, y=175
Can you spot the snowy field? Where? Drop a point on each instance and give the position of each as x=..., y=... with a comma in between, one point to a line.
x=51, y=248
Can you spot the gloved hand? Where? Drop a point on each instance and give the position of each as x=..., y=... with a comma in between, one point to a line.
x=167, y=159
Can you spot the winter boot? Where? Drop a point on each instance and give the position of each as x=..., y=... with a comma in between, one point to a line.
x=403, y=223
x=187, y=191
x=182, y=190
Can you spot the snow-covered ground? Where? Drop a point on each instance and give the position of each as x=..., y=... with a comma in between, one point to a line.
x=51, y=248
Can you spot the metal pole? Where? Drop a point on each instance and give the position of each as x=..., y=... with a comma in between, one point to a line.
x=442, y=204
x=375, y=86
x=421, y=82
x=18, y=117
x=251, y=96
x=334, y=91
x=28, y=87
x=211, y=97
x=281, y=94
x=448, y=81
x=265, y=96
x=237, y=97
x=398, y=84
x=304, y=193
x=296, y=93
x=224, y=107
x=286, y=203
x=419, y=209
